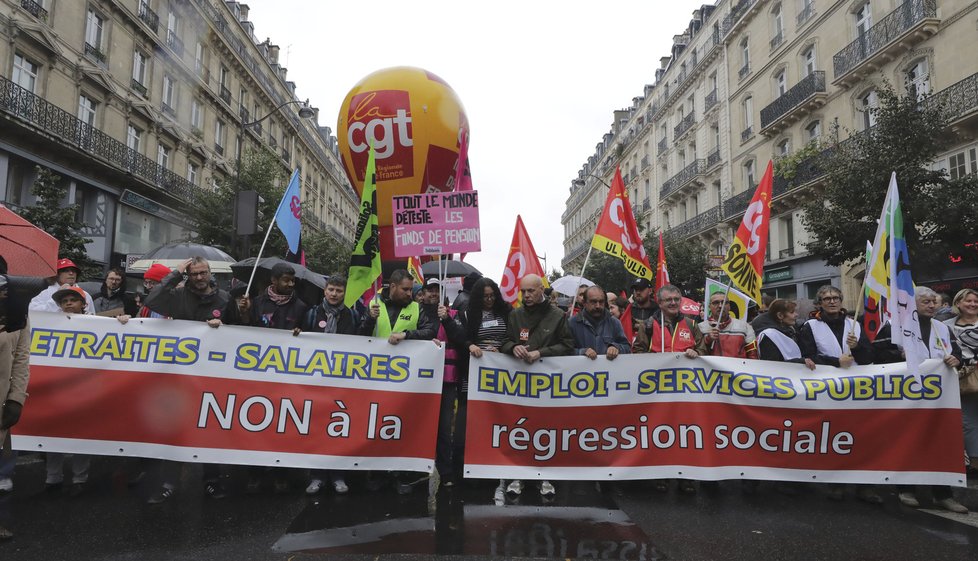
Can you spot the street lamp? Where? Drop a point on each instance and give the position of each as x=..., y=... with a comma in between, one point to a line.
x=246, y=202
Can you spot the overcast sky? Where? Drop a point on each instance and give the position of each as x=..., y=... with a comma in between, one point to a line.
x=539, y=81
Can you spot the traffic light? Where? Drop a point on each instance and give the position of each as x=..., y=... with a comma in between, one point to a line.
x=246, y=213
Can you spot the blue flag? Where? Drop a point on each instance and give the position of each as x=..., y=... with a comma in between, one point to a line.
x=287, y=215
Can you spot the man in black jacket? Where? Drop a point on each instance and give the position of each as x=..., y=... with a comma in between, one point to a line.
x=199, y=300
x=279, y=307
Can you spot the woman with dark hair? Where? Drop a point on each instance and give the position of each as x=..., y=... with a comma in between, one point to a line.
x=780, y=342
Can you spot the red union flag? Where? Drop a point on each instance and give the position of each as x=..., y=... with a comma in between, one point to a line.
x=617, y=233
x=522, y=261
x=745, y=257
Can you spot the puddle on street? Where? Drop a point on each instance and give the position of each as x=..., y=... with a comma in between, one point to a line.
x=579, y=523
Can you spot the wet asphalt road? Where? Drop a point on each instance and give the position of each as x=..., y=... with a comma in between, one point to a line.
x=111, y=521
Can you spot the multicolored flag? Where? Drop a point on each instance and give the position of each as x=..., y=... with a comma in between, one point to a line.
x=661, y=271
x=617, y=233
x=744, y=263
x=736, y=300
x=872, y=316
x=521, y=261
x=414, y=267
x=365, y=268
x=288, y=212
x=901, y=302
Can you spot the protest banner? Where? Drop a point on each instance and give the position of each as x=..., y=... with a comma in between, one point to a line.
x=666, y=416
x=181, y=390
x=436, y=223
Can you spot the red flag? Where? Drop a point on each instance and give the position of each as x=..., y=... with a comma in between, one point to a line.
x=522, y=261
x=745, y=257
x=661, y=271
x=626, y=323
x=617, y=233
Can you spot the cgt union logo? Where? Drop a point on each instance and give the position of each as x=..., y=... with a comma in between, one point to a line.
x=385, y=117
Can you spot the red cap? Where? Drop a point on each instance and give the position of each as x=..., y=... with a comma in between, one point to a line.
x=65, y=263
x=156, y=272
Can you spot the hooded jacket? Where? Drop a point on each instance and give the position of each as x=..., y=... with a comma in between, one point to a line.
x=182, y=303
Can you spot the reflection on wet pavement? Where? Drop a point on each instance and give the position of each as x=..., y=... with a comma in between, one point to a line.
x=579, y=523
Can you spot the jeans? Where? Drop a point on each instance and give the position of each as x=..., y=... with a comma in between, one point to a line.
x=969, y=414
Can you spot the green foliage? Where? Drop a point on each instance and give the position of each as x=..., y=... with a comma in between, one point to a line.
x=787, y=166
x=554, y=274
x=940, y=215
x=60, y=220
x=607, y=271
x=686, y=260
x=326, y=254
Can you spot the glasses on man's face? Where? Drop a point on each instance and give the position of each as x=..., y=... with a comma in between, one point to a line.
x=197, y=273
x=831, y=299
x=671, y=300
x=717, y=303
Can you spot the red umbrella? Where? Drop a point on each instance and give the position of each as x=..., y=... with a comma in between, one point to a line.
x=28, y=250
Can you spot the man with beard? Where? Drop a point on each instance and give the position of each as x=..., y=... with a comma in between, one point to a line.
x=643, y=304
x=595, y=330
x=198, y=300
x=111, y=296
x=535, y=330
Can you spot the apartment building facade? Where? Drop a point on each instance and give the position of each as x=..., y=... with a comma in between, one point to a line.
x=140, y=105
x=794, y=70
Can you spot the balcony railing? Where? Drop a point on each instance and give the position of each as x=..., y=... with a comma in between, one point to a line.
x=702, y=221
x=959, y=99
x=682, y=178
x=244, y=114
x=710, y=100
x=806, y=14
x=148, y=16
x=889, y=29
x=777, y=40
x=663, y=145
x=225, y=94
x=68, y=129
x=809, y=86
x=219, y=149
x=95, y=52
x=168, y=109
x=806, y=171
x=684, y=125
x=34, y=9
x=744, y=71
x=746, y=134
x=174, y=42
x=286, y=155
x=735, y=14
x=713, y=158
x=138, y=86
x=645, y=163
x=646, y=204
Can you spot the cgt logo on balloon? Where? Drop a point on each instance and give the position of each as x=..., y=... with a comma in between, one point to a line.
x=385, y=117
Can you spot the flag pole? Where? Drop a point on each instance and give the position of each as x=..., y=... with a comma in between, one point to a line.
x=251, y=278
x=862, y=293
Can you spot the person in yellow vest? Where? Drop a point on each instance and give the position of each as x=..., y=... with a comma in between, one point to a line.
x=396, y=316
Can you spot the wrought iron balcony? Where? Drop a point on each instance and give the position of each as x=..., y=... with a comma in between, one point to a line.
x=148, y=16
x=682, y=178
x=219, y=149
x=139, y=87
x=286, y=155
x=777, y=40
x=804, y=96
x=710, y=101
x=645, y=163
x=737, y=12
x=746, y=134
x=168, y=109
x=684, y=125
x=174, y=42
x=34, y=9
x=95, y=52
x=700, y=222
x=225, y=94
x=646, y=204
x=960, y=99
x=244, y=114
x=663, y=145
x=713, y=158
x=915, y=18
x=64, y=127
x=806, y=14
x=806, y=172
x=744, y=71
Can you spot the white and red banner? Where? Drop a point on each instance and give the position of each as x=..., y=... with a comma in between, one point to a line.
x=665, y=416
x=184, y=391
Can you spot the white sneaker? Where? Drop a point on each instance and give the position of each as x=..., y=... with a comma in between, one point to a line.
x=515, y=487
x=952, y=505
x=547, y=489
x=315, y=485
x=908, y=499
x=340, y=487
x=6, y=484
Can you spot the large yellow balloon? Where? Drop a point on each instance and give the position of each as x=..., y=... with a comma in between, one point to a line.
x=414, y=119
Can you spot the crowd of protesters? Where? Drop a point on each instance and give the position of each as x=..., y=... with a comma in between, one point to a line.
x=479, y=321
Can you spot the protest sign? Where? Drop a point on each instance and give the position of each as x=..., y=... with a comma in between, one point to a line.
x=184, y=391
x=663, y=415
x=436, y=223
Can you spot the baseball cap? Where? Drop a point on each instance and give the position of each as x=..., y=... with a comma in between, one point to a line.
x=431, y=282
x=65, y=263
x=77, y=290
x=641, y=284
x=156, y=272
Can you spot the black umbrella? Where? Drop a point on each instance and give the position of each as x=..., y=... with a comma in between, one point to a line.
x=309, y=285
x=449, y=268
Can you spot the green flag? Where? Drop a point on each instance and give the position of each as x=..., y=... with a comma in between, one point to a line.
x=365, y=260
